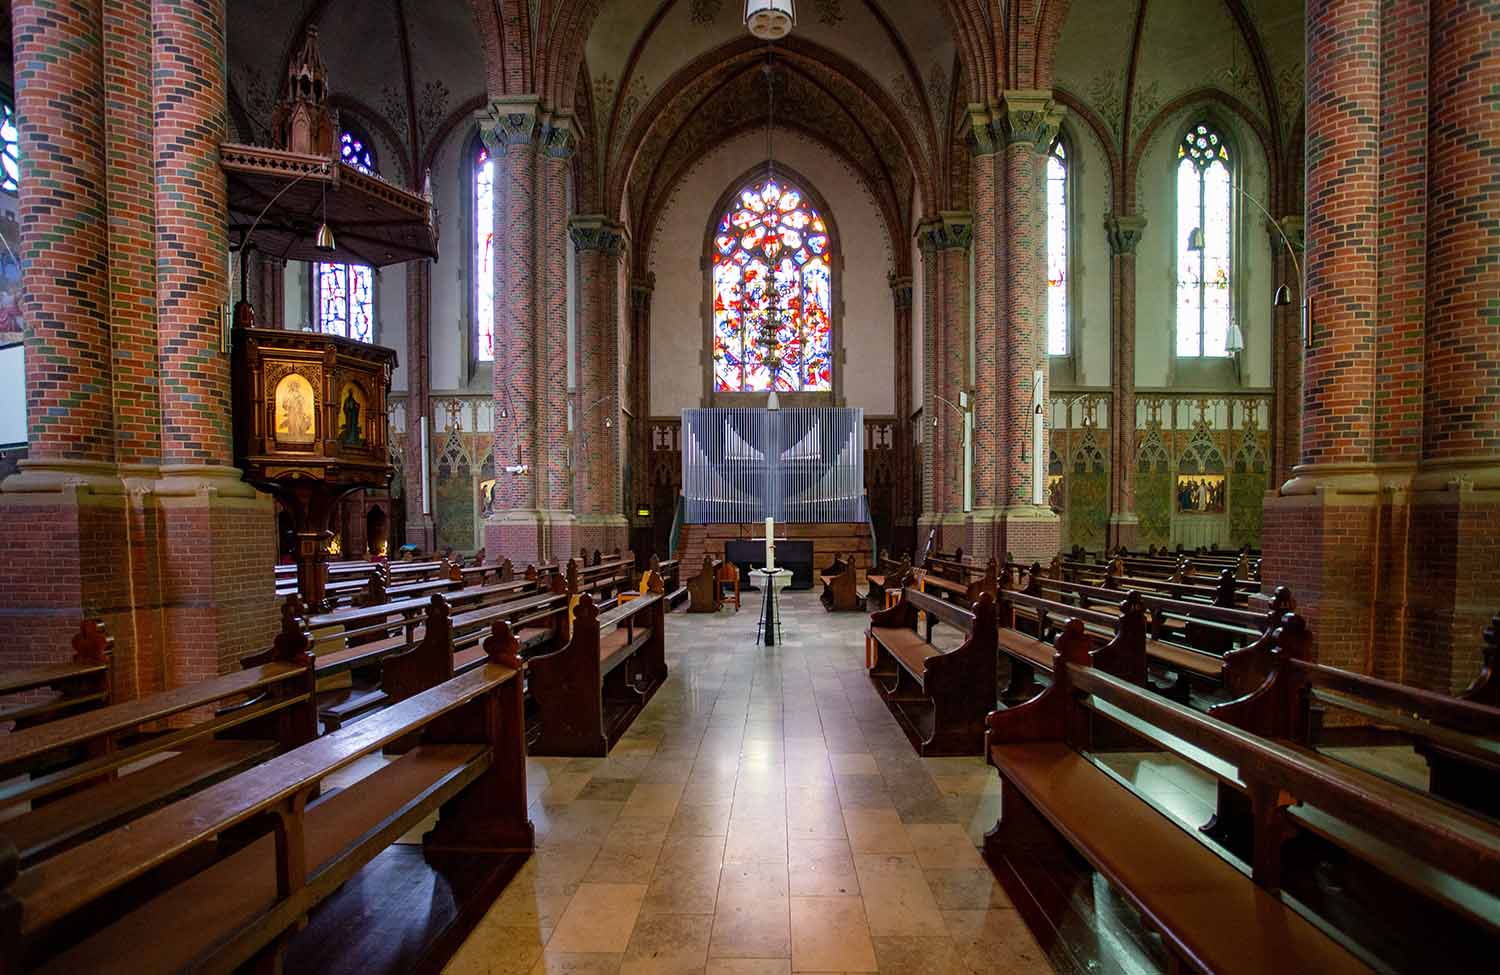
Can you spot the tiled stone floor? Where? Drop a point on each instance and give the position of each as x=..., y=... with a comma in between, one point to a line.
x=764, y=815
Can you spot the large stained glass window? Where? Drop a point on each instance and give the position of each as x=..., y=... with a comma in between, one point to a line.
x=1057, y=249
x=484, y=254
x=10, y=147
x=346, y=292
x=772, y=291
x=1204, y=240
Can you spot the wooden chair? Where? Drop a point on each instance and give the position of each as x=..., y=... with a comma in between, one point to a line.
x=727, y=577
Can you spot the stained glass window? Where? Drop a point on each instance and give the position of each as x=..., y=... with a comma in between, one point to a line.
x=773, y=288
x=346, y=292
x=10, y=147
x=1057, y=249
x=484, y=254
x=1204, y=238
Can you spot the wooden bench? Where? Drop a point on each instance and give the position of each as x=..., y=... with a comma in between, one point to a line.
x=1117, y=638
x=589, y=690
x=232, y=872
x=889, y=574
x=957, y=580
x=704, y=594
x=1212, y=917
x=1458, y=736
x=397, y=627
x=840, y=593
x=670, y=572
x=87, y=773
x=78, y=685
x=940, y=697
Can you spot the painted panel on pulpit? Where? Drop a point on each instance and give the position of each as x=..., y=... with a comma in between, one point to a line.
x=354, y=414
x=296, y=410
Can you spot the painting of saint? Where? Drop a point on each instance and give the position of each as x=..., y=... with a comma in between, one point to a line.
x=352, y=404
x=296, y=410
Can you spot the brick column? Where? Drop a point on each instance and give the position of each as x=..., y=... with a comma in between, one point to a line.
x=1026, y=528
x=901, y=299
x=945, y=244
x=600, y=245
x=1454, y=560
x=533, y=517
x=129, y=499
x=64, y=214
x=638, y=393
x=1286, y=352
x=1124, y=232
x=63, y=515
x=989, y=335
x=558, y=144
x=218, y=534
x=419, y=526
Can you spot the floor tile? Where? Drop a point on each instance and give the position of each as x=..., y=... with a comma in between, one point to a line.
x=829, y=934
x=599, y=918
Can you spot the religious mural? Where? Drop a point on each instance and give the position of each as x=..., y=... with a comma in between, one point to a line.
x=354, y=410
x=1200, y=494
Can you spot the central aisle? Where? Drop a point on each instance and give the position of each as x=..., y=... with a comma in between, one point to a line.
x=764, y=815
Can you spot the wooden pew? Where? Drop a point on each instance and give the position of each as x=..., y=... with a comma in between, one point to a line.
x=232, y=872
x=588, y=691
x=670, y=572
x=1118, y=638
x=89, y=772
x=887, y=573
x=396, y=627
x=80, y=684
x=957, y=580
x=1055, y=798
x=840, y=594
x=939, y=697
x=704, y=595
x=1459, y=736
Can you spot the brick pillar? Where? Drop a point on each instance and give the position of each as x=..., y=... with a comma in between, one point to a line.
x=600, y=245
x=419, y=527
x=558, y=144
x=1286, y=353
x=989, y=336
x=533, y=517
x=64, y=216
x=638, y=393
x=1027, y=528
x=902, y=501
x=218, y=537
x=63, y=515
x=1124, y=232
x=1335, y=532
x=128, y=499
x=945, y=244
x=1454, y=574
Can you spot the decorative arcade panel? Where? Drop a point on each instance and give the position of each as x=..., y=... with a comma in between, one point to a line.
x=742, y=465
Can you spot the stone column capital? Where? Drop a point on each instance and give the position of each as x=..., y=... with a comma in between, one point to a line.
x=595, y=232
x=1294, y=226
x=1124, y=231
x=949, y=230
x=901, y=290
x=1029, y=117
x=510, y=122
x=982, y=135
x=559, y=139
x=642, y=287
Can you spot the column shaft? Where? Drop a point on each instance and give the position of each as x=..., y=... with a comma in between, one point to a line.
x=1124, y=232
x=419, y=526
x=191, y=230
x=64, y=218
x=600, y=245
